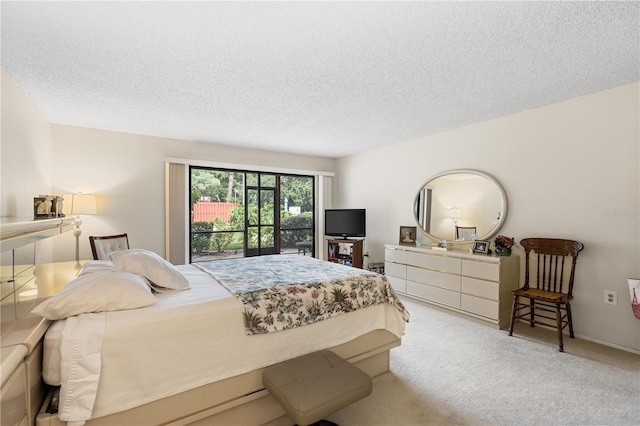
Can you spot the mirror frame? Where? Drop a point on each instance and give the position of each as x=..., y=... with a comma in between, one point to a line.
x=494, y=230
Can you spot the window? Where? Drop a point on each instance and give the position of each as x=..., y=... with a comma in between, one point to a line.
x=240, y=213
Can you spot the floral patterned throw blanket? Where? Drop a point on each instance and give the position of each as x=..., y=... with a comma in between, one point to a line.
x=279, y=292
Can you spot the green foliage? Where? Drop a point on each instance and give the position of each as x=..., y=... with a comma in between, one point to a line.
x=298, y=190
x=236, y=218
x=218, y=185
x=266, y=237
x=201, y=236
x=204, y=183
x=228, y=186
x=288, y=221
x=221, y=240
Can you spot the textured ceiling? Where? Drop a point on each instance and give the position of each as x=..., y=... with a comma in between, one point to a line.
x=321, y=78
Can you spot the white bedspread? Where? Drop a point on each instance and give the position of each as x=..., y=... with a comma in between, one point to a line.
x=189, y=339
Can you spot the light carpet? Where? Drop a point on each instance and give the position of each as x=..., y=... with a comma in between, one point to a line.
x=453, y=371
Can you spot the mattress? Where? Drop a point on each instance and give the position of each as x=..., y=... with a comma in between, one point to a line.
x=195, y=337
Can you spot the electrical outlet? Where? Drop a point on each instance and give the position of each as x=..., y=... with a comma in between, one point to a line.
x=610, y=297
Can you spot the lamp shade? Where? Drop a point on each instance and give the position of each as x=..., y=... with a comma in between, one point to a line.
x=455, y=213
x=83, y=204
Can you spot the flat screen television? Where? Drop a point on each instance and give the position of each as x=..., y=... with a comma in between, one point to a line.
x=345, y=222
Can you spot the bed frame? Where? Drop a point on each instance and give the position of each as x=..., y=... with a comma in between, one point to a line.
x=240, y=400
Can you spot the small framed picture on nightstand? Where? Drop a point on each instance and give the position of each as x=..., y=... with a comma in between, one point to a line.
x=480, y=247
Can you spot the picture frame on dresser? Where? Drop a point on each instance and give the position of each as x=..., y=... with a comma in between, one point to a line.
x=407, y=236
x=480, y=247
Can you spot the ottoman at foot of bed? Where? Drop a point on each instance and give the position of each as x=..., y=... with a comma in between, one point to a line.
x=315, y=385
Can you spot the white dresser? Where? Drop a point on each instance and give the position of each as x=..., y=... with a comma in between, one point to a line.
x=476, y=285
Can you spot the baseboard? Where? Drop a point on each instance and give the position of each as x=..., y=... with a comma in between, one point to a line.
x=583, y=337
x=609, y=344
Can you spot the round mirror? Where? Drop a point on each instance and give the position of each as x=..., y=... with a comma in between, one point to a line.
x=460, y=206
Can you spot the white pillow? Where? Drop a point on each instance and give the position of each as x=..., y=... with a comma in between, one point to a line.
x=157, y=270
x=97, y=292
x=92, y=266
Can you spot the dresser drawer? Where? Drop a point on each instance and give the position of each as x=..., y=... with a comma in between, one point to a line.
x=486, y=308
x=483, y=270
x=438, y=263
x=434, y=294
x=399, y=284
x=395, y=270
x=434, y=278
x=398, y=256
x=481, y=288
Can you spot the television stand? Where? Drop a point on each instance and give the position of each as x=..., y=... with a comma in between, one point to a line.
x=345, y=251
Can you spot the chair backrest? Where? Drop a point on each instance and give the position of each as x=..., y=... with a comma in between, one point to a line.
x=550, y=257
x=465, y=232
x=102, y=246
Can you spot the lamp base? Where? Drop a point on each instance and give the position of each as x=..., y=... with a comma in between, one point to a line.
x=76, y=233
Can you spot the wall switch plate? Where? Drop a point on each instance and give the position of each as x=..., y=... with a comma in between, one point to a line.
x=610, y=297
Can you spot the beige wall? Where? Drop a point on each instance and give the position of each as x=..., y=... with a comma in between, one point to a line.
x=126, y=171
x=26, y=151
x=570, y=170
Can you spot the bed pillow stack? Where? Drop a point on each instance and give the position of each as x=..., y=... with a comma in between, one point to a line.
x=124, y=282
x=98, y=292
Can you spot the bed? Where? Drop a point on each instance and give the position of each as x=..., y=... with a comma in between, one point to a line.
x=196, y=355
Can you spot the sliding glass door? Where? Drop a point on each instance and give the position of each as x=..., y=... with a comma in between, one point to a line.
x=237, y=213
x=261, y=214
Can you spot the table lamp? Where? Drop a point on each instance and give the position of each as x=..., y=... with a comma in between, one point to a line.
x=81, y=204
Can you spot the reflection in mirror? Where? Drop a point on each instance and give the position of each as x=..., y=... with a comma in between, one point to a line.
x=6, y=265
x=463, y=200
x=24, y=258
x=6, y=274
x=16, y=270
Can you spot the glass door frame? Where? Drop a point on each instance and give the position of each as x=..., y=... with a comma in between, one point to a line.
x=260, y=189
x=276, y=247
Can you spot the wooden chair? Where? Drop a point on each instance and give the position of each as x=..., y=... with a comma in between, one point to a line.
x=102, y=246
x=550, y=265
x=465, y=232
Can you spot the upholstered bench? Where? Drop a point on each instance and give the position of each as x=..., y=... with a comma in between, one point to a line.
x=315, y=385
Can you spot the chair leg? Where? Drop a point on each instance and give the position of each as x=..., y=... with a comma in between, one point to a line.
x=513, y=314
x=532, y=308
x=569, y=320
x=559, y=326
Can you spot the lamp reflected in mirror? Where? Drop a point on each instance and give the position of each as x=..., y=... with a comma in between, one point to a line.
x=455, y=214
